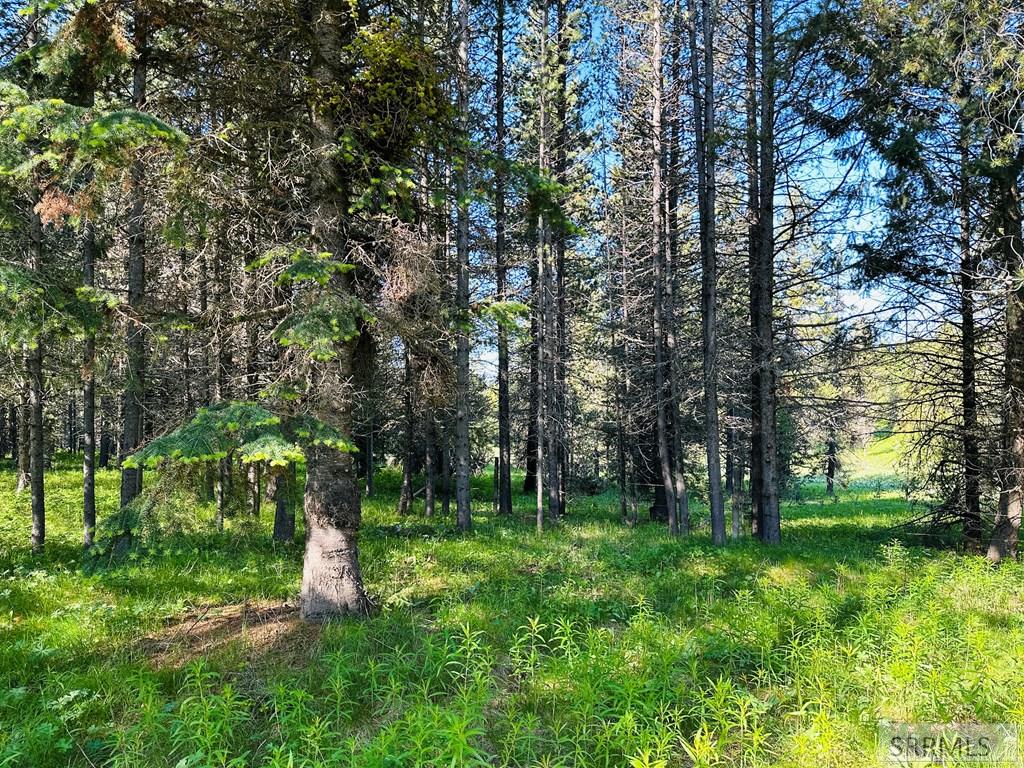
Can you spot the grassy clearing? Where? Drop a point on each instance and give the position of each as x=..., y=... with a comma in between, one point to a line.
x=594, y=645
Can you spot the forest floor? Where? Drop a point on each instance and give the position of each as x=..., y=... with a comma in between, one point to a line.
x=593, y=645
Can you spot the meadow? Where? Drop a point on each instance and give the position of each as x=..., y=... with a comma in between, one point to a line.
x=592, y=645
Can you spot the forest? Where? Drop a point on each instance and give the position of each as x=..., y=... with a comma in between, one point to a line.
x=527, y=383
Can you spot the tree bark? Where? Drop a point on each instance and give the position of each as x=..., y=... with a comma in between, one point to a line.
x=968, y=342
x=134, y=391
x=89, y=398
x=703, y=87
x=429, y=466
x=501, y=269
x=405, y=495
x=284, y=505
x=463, y=511
x=657, y=257
x=1006, y=534
x=770, y=523
x=753, y=256
x=332, y=582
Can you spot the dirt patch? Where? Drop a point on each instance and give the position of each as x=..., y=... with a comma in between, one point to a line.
x=260, y=631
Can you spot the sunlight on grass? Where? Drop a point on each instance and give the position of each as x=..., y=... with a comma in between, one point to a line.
x=592, y=645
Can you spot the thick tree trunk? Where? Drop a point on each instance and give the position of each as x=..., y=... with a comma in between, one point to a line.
x=331, y=579
x=463, y=511
x=134, y=391
x=332, y=584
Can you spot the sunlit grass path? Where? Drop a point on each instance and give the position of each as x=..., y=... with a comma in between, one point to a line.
x=593, y=645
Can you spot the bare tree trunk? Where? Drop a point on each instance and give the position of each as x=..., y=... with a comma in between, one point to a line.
x=969, y=395
x=284, y=505
x=462, y=417
x=24, y=440
x=89, y=397
x=369, y=461
x=831, y=465
x=671, y=263
x=770, y=527
x=540, y=295
x=34, y=373
x=1006, y=534
x=560, y=338
x=134, y=390
x=530, y=477
x=657, y=257
x=446, y=480
x=429, y=465
x=504, y=407
x=703, y=87
x=405, y=496
x=753, y=256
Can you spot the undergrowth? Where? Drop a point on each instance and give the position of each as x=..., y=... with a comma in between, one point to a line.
x=593, y=645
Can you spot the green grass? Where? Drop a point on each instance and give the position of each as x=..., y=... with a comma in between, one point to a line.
x=594, y=645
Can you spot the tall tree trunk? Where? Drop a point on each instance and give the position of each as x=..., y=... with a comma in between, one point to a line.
x=1006, y=534
x=658, y=261
x=530, y=477
x=332, y=583
x=134, y=391
x=770, y=524
x=969, y=394
x=34, y=371
x=622, y=378
x=504, y=407
x=540, y=293
x=560, y=337
x=463, y=511
x=753, y=255
x=702, y=87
